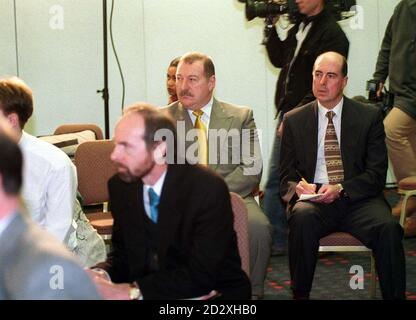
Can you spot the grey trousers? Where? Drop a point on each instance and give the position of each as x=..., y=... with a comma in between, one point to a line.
x=260, y=242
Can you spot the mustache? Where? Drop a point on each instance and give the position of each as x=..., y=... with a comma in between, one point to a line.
x=185, y=93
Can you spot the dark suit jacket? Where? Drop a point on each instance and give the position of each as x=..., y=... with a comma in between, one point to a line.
x=363, y=149
x=196, y=245
x=324, y=35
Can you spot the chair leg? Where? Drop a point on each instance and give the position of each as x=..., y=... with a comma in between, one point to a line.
x=373, y=281
x=407, y=195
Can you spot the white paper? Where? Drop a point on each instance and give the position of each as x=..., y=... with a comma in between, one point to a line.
x=309, y=196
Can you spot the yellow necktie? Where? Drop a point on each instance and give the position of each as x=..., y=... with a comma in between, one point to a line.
x=202, y=138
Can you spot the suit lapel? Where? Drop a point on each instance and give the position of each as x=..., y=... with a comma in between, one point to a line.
x=183, y=115
x=219, y=119
x=169, y=216
x=349, y=135
x=9, y=237
x=134, y=211
x=310, y=138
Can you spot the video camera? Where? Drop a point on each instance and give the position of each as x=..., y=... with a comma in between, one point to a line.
x=270, y=9
x=385, y=101
x=341, y=9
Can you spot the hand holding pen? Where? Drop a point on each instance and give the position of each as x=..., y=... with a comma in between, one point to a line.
x=303, y=187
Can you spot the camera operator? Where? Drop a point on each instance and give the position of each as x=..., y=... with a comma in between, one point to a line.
x=316, y=31
x=397, y=61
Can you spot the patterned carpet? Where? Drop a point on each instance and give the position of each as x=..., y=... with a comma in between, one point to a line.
x=332, y=277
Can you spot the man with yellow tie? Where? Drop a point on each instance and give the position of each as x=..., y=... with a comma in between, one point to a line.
x=223, y=137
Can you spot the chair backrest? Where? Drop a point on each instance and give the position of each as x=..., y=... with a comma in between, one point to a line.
x=94, y=169
x=241, y=229
x=77, y=127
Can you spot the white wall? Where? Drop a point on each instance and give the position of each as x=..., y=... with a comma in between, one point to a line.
x=7, y=39
x=65, y=66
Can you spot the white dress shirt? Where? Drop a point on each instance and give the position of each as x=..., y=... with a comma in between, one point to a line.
x=49, y=187
x=206, y=116
x=321, y=175
x=157, y=187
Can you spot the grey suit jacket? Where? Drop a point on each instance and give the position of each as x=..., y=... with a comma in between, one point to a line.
x=34, y=265
x=234, y=149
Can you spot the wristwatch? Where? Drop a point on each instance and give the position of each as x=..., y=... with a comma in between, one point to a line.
x=134, y=292
x=341, y=190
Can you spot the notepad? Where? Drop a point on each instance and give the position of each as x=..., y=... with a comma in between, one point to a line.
x=309, y=196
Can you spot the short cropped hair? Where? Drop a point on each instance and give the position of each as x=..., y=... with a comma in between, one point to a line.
x=191, y=57
x=16, y=97
x=154, y=120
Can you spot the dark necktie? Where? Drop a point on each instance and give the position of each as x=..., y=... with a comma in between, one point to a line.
x=333, y=158
x=154, y=203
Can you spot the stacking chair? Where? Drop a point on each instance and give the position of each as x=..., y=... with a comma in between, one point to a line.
x=241, y=229
x=94, y=169
x=407, y=187
x=78, y=127
x=344, y=242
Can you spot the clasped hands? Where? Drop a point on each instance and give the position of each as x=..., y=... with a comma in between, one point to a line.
x=108, y=289
x=329, y=192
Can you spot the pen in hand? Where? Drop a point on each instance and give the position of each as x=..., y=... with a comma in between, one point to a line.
x=303, y=179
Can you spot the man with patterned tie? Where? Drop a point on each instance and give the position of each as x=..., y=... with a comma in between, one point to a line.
x=173, y=235
x=214, y=124
x=338, y=146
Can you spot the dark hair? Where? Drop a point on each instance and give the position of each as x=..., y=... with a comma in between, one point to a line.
x=174, y=62
x=11, y=162
x=16, y=97
x=191, y=57
x=154, y=120
x=344, y=68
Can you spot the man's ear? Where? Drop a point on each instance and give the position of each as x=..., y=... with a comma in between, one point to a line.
x=159, y=152
x=13, y=119
x=211, y=82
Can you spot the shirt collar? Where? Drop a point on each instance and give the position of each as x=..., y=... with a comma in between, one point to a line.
x=23, y=139
x=337, y=109
x=206, y=109
x=157, y=187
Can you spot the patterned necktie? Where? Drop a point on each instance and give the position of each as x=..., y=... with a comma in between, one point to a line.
x=333, y=158
x=154, y=203
x=202, y=138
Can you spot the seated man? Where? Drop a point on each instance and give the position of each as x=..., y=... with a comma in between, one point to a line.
x=50, y=181
x=228, y=144
x=338, y=145
x=33, y=265
x=173, y=235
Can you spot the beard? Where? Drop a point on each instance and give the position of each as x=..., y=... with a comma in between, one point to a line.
x=130, y=176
